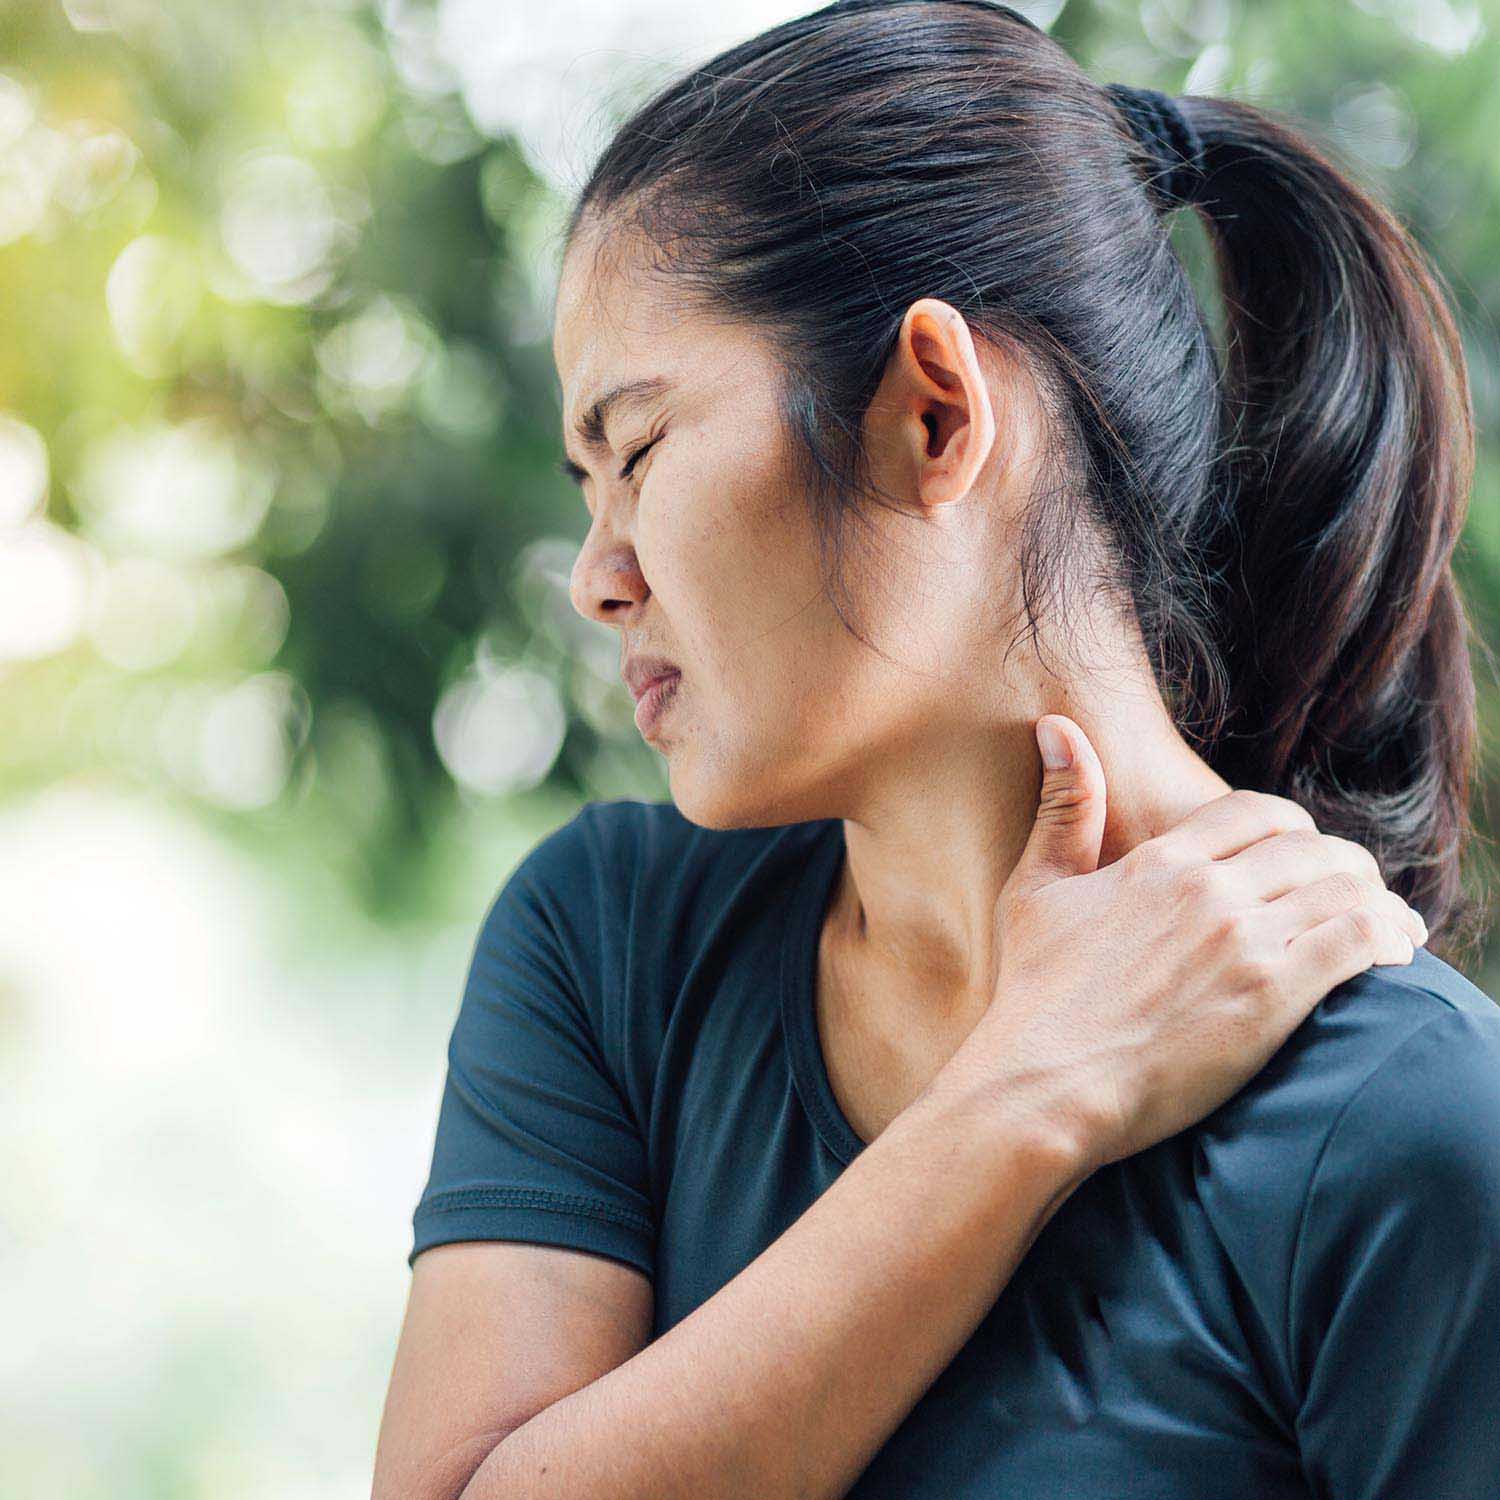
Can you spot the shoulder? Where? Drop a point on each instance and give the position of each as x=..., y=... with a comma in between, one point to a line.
x=1387, y=1092
x=632, y=898
x=1364, y=1028
x=1416, y=1112
x=628, y=853
x=603, y=851
x=1373, y=1025
x=1393, y=1286
x=1395, y=1022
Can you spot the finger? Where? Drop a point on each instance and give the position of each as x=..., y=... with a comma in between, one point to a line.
x=1274, y=866
x=1405, y=916
x=1334, y=897
x=1330, y=952
x=1069, y=825
x=1228, y=824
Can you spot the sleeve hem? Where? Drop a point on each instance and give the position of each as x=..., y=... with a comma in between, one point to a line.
x=536, y=1217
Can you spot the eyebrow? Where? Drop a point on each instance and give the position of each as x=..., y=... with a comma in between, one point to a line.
x=589, y=428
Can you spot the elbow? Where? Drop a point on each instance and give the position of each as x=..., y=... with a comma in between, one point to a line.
x=446, y=1477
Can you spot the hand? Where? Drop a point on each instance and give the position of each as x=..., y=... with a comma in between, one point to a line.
x=1132, y=1000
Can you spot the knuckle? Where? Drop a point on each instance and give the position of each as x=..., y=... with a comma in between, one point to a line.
x=1238, y=933
x=1272, y=805
x=1065, y=796
x=1365, y=925
x=1250, y=972
x=1202, y=883
x=1248, y=797
x=1255, y=978
x=1347, y=889
x=1269, y=970
x=1294, y=812
x=1305, y=840
x=1356, y=856
x=1244, y=1000
x=1146, y=861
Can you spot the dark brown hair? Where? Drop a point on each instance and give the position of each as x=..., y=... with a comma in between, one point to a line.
x=1281, y=517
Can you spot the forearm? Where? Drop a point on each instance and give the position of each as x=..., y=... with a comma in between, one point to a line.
x=787, y=1380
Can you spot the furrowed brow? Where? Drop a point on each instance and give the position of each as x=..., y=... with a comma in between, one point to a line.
x=590, y=426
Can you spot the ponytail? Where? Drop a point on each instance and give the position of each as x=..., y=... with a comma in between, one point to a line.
x=1345, y=469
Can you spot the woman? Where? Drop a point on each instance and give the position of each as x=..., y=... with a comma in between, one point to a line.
x=860, y=1121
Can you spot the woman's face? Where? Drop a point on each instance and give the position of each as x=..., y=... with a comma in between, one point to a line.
x=706, y=555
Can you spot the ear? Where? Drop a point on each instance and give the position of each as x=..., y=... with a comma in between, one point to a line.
x=930, y=426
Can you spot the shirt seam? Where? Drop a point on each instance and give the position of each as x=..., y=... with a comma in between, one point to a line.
x=456, y=1199
x=1297, y=1239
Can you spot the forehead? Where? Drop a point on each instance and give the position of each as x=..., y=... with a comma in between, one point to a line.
x=617, y=318
x=607, y=310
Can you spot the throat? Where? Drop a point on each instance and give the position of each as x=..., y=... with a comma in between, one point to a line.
x=881, y=1046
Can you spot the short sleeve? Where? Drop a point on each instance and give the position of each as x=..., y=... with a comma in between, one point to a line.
x=534, y=1138
x=1394, y=1329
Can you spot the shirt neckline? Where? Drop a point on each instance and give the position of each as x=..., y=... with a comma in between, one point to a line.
x=799, y=970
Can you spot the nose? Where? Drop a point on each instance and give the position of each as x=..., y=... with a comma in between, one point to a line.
x=607, y=582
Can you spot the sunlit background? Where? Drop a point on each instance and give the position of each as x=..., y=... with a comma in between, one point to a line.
x=289, y=677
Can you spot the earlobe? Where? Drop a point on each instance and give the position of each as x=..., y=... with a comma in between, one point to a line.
x=946, y=391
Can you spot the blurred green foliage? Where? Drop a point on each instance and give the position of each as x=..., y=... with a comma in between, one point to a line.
x=277, y=459
x=283, y=545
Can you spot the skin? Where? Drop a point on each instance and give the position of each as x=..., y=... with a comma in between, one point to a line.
x=707, y=556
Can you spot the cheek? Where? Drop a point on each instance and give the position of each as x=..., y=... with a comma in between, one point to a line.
x=688, y=555
x=734, y=567
x=720, y=551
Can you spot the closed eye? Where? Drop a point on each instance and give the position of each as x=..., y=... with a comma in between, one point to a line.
x=639, y=453
x=569, y=470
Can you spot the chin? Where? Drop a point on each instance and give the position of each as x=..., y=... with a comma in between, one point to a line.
x=710, y=805
x=731, y=794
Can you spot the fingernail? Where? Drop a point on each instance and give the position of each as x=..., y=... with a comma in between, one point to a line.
x=1057, y=754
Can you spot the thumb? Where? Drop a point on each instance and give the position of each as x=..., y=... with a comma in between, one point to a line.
x=1069, y=825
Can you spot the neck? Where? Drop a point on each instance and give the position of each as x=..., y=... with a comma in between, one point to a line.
x=931, y=844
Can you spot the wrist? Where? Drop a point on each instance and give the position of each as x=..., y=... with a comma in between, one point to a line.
x=1020, y=1115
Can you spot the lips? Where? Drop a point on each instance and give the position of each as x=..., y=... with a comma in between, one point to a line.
x=655, y=701
x=640, y=672
x=651, y=683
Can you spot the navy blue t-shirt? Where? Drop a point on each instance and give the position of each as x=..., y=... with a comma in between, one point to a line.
x=1298, y=1295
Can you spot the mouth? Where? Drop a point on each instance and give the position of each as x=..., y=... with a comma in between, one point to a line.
x=655, y=701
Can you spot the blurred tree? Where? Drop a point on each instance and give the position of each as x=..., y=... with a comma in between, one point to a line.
x=280, y=528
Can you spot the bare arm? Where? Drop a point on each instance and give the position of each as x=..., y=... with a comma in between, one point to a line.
x=494, y=1331
x=788, y=1379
